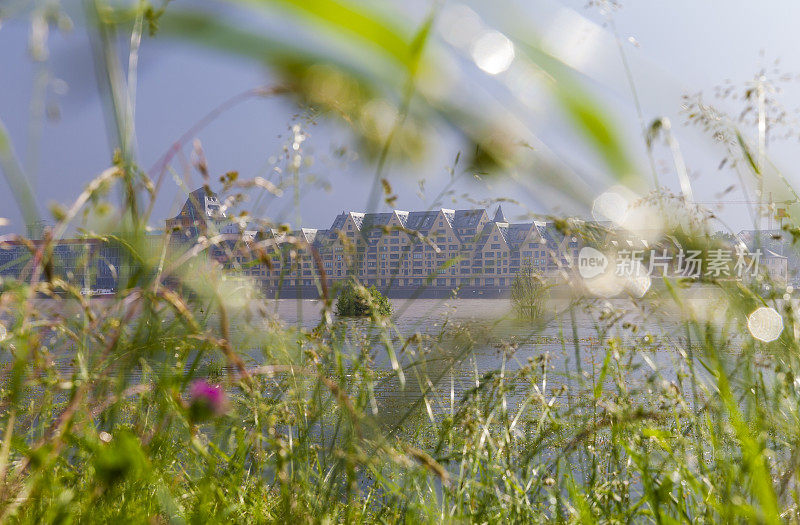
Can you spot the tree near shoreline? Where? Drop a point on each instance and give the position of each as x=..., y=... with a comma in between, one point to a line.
x=355, y=300
x=529, y=292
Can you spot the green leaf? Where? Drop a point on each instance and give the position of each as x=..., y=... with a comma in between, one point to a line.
x=23, y=194
x=353, y=19
x=597, y=127
x=598, y=387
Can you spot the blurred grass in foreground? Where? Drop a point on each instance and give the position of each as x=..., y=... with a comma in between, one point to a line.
x=146, y=407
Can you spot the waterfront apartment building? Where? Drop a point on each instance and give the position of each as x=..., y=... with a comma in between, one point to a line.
x=90, y=264
x=401, y=250
x=442, y=249
x=406, y=251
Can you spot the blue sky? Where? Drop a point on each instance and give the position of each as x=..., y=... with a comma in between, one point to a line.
x=680, y=47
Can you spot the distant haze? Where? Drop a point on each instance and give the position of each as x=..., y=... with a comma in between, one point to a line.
x=694, y=45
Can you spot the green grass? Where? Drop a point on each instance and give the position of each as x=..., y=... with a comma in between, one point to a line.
x=98, y=421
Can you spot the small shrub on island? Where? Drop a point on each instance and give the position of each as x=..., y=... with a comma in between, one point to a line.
x=355, y=300
x=529, y=293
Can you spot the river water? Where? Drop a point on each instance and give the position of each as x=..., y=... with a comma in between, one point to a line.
x=574, y=340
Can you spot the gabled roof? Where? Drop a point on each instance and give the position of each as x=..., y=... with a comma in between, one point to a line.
x=483, y=237
x=515, y=234
x=338, y=224
x=552, y=235
x=374, y=221
x=249, y=236
x=421, y=221
x=202, y=204
x=499, y=216
x=769, y=254
x=358, y=218
x=320, y=238
x=308, y=234
x=277, y=235
x=772, y=239
x=402, y=216
x=373, y=226
x=762, y=233
x=449, y=215
x=541, y=228
x=467, y=218
x=340, y=220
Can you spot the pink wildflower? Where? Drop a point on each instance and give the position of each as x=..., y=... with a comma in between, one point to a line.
x=207, y=400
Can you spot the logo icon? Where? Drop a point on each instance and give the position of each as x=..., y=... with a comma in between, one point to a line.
x=591, y=262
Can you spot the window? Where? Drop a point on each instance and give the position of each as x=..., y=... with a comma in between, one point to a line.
x=495, y=246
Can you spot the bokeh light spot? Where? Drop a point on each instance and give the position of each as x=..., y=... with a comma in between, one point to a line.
x=610, y=206
x=639, y=282
x=493, y=52
x=765, y=324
